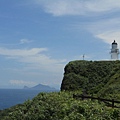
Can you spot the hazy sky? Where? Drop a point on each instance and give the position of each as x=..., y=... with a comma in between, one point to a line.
x=39, y=37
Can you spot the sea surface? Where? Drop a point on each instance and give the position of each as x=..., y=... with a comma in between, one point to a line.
x=11, y=97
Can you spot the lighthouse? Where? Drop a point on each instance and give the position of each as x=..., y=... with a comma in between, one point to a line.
x=114, y=51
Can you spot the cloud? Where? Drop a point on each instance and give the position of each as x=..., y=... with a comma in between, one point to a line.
x=109, y=36
x=106, y=30
x=21, y=52
x=35, y=65
x=78, y=7
x=34, y=58
x=22, y=41
x=22, y=82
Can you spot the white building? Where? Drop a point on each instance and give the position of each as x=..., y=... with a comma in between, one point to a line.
x=114, y=51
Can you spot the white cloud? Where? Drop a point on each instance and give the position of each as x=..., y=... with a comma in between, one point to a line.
x=22, y=82
x=21, y=52
x=78, y=7
x=109, y=36
x=36, y=65
x=106, y=30
x=22, y=41
x=102, y=5
x=34, y=59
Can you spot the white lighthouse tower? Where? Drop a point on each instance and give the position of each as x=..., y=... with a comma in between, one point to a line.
x=114, y=51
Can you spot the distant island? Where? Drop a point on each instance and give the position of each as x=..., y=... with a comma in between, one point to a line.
x=40, y=87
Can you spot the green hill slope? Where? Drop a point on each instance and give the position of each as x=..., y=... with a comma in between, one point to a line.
x=101, y=78
x=60, y=106
x=112, y=88
x=93, y=77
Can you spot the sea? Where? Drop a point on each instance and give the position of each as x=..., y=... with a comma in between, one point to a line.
x=12, y=97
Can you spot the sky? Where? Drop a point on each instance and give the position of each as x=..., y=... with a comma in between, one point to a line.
x=39, y=37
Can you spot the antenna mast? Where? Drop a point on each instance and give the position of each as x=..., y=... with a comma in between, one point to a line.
x=83, y=56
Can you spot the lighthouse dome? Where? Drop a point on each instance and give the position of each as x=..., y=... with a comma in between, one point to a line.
x=114, y=43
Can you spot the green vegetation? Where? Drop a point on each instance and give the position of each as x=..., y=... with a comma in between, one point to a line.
x=60, y=106
x=98, y=78
x=93, y=77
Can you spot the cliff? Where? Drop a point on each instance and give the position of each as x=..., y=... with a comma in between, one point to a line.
x=93, y=77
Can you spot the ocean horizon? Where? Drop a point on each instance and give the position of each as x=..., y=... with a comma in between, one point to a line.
x=12, y=97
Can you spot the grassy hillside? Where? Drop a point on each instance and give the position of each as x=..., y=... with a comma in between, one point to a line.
x=100, y=78
x=60, y=106
x=93, y=77
x=112, y=88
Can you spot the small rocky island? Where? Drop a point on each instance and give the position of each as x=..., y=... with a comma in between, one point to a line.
x=40, y=87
